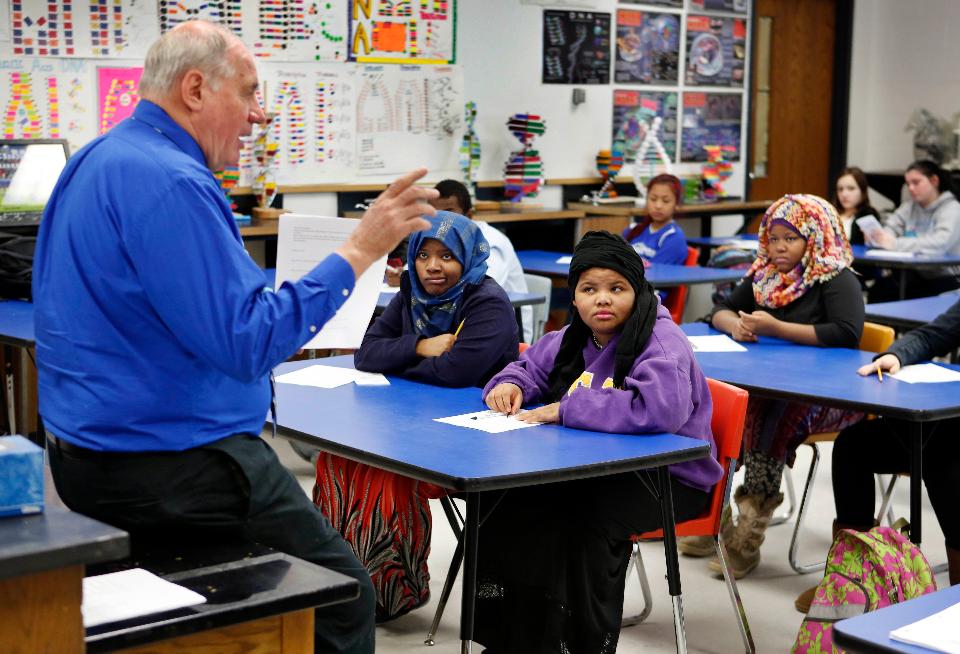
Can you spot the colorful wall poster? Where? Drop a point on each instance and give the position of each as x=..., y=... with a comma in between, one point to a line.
x=716, y=49
x=408, y=116
x=648, y=47
x=118, y=92
x=576, y=47
x=710, y=119
x=43, y=98
x=403, y=31
x=315, y=121
x=297, y=30
x=633, y=112
x=738, y=6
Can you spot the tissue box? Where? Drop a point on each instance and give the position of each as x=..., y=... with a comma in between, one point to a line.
x=21, y=476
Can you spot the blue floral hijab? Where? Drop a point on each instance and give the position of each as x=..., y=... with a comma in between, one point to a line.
x=432, y=315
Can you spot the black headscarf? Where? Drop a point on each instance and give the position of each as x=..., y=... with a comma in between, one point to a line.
x=605, y=250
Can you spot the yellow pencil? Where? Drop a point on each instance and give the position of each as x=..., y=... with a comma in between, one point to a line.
x=457, y=333
x=880, y=374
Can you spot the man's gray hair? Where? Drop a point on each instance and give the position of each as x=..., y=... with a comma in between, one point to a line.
x=196, y=45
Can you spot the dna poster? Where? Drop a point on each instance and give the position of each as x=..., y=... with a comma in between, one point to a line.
x=403, y=31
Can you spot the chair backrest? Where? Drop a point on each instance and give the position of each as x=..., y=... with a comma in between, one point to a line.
x=676, y=299
x=541, y=286
x=876, y=338
x=523, y=348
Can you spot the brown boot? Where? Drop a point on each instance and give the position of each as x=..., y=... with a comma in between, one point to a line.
x=743, y=546
x=804, y=599
x=953, y=562
x=699, y=546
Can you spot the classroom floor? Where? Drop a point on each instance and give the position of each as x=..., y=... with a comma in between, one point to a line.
x=767, y=593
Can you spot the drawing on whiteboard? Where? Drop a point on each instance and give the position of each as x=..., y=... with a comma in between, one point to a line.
x=333, y=121
x=289, y=127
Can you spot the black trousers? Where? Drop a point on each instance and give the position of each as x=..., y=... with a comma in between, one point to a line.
x=887, y=289
x=235, y=488
x=883, y=446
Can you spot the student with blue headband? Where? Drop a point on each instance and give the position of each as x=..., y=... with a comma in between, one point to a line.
x=450, y=325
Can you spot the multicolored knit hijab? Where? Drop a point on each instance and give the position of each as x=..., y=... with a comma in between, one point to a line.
x=432, y=315
x=827, y=253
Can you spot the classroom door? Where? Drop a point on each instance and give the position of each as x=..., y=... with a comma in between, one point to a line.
x=793, y=91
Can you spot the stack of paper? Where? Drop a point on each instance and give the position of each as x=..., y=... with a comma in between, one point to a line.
x=938, y=632
x=130, y=594
x=320, y=376
x=890, y=254
x=491, y=422
x=926, y=373
x=566, y=259
x=716, y=343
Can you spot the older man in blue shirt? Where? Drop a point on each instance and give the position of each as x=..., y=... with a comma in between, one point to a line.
x=156, y=332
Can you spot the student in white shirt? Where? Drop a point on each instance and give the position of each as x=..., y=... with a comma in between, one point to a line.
x=503, y=265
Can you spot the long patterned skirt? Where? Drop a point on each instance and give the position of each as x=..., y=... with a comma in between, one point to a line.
x=778, y=427
x=386, y=519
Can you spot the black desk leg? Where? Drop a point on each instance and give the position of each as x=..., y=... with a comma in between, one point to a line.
x=670, y=551
x=516, y=310
x=903, y=283
x=916, y=478
x=468, y=601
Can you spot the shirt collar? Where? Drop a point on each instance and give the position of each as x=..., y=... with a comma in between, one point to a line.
x=153, y=115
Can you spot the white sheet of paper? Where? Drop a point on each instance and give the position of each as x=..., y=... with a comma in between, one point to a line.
x=129, y=594
x=715, y=343
x=926, y=373
x=566, y=259
x=488, y=421
x=891, y=254
x=302, y=243
x=370, y=379
x=743, y=243
x=319, y=376
x=386, y=288
x=868, y=224
x=937, y=632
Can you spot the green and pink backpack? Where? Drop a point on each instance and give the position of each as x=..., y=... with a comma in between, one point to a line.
x=866, y=570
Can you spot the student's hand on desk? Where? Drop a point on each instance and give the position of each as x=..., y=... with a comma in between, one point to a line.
x=397, y=212
x=546, y=414
x=505, y=398
x=887, y=363
x=434, y=347
x=740, y=332
x=880, y=238
x=759, y=323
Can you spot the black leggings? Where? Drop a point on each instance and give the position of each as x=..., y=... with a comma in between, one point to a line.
x=882, y=446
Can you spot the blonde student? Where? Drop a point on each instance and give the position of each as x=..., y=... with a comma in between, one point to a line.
x=800, y=289
x=553, y=558
x=450, y=325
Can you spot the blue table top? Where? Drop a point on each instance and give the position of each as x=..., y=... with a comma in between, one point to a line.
x=16, y=323
x=393, y=427
x=661, y=275
x=870, y=632
x=859, y=253
x=827, y=376
x=907, y=314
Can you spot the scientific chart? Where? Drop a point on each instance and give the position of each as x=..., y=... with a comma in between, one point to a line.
x=297, y=30
x=403, y=31
x=576, y=47
x=711, y=119
x=648, y=47
x=633, y=113
x=408, y=116
x=716, y=49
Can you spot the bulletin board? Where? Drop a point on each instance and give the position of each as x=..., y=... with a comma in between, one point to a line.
x=72, y=70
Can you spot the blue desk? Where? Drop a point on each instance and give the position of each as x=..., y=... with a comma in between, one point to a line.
x=860, y=256
x=392, y=427
x=910, y=314
x=661, y=275
x=870, y=632
x=828, y=376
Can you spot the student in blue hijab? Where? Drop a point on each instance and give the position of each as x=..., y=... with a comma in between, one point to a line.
x=449, y=325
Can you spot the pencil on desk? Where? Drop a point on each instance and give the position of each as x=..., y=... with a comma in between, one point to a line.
x=880, y=374
x=457, y=333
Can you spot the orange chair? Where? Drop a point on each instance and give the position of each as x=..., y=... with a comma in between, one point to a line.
x=875, y=338
x=524, y=347
x=729, y=414
x=676, y=298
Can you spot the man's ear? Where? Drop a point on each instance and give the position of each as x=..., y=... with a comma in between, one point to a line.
x=191, y=90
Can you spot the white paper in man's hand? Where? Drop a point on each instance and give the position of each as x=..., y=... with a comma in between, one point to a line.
x=302, y=243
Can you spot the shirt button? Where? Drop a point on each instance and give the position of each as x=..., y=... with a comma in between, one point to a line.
x=346, y=293
x=313, y=329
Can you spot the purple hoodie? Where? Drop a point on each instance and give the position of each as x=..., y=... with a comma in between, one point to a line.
x=665, y=391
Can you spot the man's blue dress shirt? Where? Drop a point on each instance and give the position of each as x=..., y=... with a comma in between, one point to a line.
x=154, y=328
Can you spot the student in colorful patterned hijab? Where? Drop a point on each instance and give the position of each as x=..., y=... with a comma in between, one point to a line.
x=801, y=289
